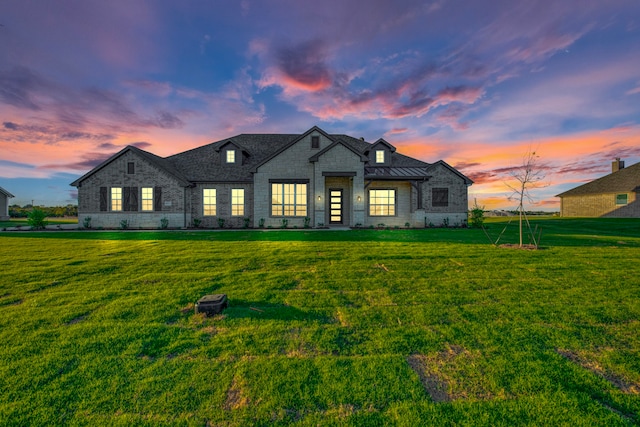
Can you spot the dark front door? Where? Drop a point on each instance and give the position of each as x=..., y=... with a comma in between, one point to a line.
x=336, y=209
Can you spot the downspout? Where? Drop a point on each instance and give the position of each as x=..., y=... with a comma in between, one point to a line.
x=184, y=210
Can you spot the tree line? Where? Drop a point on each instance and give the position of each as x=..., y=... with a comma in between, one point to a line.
x=17, y=211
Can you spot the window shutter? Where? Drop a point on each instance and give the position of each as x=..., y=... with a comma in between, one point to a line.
x=157, y=202
x=133, y=200
x=126, y=199
x=103, y=199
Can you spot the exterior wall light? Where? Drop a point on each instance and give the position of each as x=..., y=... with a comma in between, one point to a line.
x=319, y=198
x=359, y=198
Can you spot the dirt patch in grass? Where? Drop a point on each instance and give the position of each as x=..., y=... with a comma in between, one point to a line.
x=622, y=384
x=517, y=246
x=189, y=308
x=342, y=318
x=76, y=320
x=236, y=395
x=434, y=386
x=452, y=374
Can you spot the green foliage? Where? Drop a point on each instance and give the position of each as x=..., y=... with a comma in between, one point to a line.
x=124, y=224
x=329, y=328
x=164, y=223
x=17, y=211
x=246, y=221
x=37, y=219
x=307, y=222
x=284, y=222
x=197, y=222
x=261, y=223
x=86, y=222
x=221, y=222
x=476, y=215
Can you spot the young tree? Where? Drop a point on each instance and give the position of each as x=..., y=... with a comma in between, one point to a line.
x=528, y=176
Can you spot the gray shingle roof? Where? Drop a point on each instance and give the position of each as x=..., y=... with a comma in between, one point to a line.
x=623, y=181
x=205, y=164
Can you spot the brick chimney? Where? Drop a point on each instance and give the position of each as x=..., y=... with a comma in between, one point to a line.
x=617, y=164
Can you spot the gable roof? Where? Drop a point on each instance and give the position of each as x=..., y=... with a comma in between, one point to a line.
x=205, y=163
x=623, y=181
x=316, y=156
x=154, y=160
x=6, y=193
x=467, y=180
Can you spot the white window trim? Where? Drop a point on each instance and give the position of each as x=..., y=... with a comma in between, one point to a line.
x=296, y=206
x=380, y=156
x=231, y=156
x=214, y=195
x=395, y=203
x=142, y=199
x=114, y=199
x=233, y=205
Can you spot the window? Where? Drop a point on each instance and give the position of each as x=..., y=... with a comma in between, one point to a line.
x=379, y=156
x=116, y=199
x=440, y=197
x=621, y=199
x=315, y=142
x=131, y=168
x=209, y=201
x=147, y=198
x=288, y=199
x=382, y=202
x=237, y=201
x=231, y=156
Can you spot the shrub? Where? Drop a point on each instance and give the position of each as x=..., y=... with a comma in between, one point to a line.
x=407, y=225
x=164, y=223
x=246, y=221
x=197, y=222
x=261, y=223
x=221, y=222
x=307, y=221
x=477, y=215
x=124, y=224
x=445, y=222
x=86, y=222
x=284, y=222
x=37, y=219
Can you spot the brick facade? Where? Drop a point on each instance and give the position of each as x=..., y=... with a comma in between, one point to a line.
x=600, y=205
x=315, y=161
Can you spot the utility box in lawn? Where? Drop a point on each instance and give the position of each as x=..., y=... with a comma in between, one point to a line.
x=212, y=304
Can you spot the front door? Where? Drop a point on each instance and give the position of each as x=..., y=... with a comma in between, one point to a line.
x=336, y=208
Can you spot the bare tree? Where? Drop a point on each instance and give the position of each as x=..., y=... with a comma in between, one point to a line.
x=528, y=176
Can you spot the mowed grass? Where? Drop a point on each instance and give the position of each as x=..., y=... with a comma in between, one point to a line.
x=364, y=327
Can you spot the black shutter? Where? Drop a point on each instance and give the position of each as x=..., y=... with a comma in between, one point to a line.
x=104, y=201
x=133, y=200
x=157, y=199
x=126, y=196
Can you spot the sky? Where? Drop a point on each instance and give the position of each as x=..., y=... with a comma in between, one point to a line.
x=478, y=84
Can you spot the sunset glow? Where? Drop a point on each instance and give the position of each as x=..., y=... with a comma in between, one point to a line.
x=476, y=84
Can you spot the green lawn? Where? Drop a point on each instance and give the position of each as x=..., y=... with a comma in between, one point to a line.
x=363, y=327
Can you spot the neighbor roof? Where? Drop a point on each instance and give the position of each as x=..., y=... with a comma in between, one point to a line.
x=623, y=181
x=6, y=193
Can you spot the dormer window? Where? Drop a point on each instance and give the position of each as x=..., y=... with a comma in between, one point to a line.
x=231, y=156
x=379, y=156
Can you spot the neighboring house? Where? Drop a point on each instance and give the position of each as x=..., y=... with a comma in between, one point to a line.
x=613, y=195
x=4, y=204
x=314, y=179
